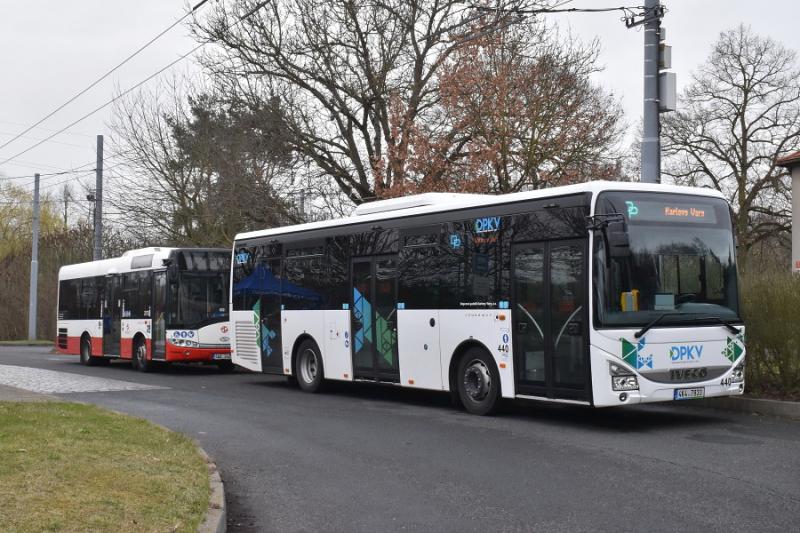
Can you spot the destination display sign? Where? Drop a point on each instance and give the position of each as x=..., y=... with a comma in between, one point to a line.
x=670, y=212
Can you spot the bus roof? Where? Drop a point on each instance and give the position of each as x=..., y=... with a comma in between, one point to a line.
x=436, y=202
x=132, y=260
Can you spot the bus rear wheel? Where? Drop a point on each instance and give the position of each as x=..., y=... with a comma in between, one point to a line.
x=478, y=382
x=140, y=360
x=308, y=366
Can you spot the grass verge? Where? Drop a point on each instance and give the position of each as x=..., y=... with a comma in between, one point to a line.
x=40, y=342
x=75, y=467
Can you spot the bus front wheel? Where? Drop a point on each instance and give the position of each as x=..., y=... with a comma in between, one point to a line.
x=86, y=353
x=308, y=367
x=478, y=382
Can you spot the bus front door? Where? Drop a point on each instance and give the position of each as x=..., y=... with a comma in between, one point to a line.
x=269, y=318
x=550, y=319
x=112, y=309
x=374, y=318
x=159, y=315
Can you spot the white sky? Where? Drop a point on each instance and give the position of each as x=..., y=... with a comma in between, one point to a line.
x=50, y=50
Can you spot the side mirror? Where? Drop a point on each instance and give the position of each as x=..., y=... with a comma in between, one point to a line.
x=172, y=273
x=619, y=244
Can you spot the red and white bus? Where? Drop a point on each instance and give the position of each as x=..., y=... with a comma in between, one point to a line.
x=149, y=305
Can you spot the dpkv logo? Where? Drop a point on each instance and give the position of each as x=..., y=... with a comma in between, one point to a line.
x=686, y=353
x=485, y=225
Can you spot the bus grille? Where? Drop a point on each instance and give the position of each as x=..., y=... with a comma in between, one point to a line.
x=246, y=343
x=62, y=338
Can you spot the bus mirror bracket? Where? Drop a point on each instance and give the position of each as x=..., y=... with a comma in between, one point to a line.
x=619, y=244
x=614, y=232
x=172, y=270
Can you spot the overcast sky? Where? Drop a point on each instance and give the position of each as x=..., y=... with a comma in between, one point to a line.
x=50, y=50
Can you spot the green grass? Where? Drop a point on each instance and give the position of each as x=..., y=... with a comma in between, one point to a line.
x=40, y=342
x=74, y=467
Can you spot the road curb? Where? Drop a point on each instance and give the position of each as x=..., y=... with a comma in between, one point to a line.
x=216, y=515
x=741, y=404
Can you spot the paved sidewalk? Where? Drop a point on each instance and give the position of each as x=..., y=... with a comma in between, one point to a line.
x=13, y=394
x=55, y=382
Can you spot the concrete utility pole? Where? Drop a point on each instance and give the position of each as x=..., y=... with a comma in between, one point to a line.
x=98, y=203
x=34, y=289
x=651, y=144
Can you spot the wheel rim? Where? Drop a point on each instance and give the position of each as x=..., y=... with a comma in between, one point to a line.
x=84, y=351
x=477, y=380
x=308, y=366
x=141, y=355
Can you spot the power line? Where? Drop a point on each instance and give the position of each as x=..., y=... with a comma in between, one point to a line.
x=557, y=9
x=130, y=89
x=101, y=78
x=79, y=134
x=35, y=139
x=71, y=171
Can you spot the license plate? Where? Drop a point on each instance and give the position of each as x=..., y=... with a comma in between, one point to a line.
x=690, y=394
x=220, y=356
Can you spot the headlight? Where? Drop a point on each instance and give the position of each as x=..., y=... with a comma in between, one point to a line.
x=185, y=342
x=622, y=378
x=737, y=376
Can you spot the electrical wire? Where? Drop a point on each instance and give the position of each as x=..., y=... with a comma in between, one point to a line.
x=49, y=174
x=104, y=76
x=557, y=9
x=130, y=89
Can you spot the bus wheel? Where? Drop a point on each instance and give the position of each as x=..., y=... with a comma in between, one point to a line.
x=86, y=352
x=308, y=367
x=140, y=360
x=478, y=382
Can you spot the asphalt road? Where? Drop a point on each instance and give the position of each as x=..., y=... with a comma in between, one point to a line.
x=368, y=458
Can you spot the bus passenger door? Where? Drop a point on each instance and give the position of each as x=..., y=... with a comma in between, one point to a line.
x=112, y=308
x=268, y=312
x=549, y=319
x=374, y=318
x=159, y=314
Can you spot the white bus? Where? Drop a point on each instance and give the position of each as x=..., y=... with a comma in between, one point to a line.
x=149, y=305
x=599, y=294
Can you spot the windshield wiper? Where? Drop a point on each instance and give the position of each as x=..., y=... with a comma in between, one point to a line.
x=733, y=329
x=652, y=323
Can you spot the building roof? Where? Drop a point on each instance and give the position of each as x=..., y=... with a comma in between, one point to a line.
x=789, y=160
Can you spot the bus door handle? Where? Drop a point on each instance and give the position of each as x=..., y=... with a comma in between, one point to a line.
x=522, y=327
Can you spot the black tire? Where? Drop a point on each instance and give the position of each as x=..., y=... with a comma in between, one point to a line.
x=308, y=366
x=478, y=382
x=291, y=381
x=139, y=360
x=86, y=353
x=226, y=366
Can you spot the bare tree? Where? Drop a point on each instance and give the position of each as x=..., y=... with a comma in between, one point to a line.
x=533, y=116
x=341, y=68
x=740, y=112
x=192, y=171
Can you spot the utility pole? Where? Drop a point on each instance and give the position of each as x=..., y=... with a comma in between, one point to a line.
x=98, y=204
x=659, y=87
x=33, y=292
x=651, y=143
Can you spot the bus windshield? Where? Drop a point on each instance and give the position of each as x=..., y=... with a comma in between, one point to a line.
x=199, y=298
x=681, y=261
